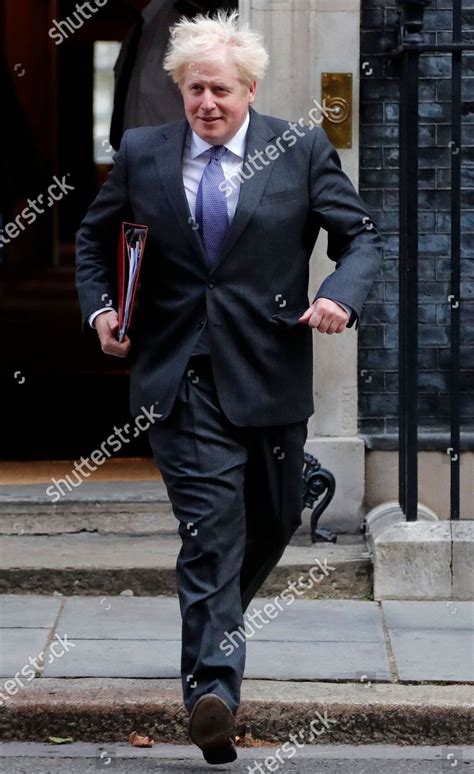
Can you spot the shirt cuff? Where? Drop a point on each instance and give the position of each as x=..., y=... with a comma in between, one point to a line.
x=96, y=314
x=344, y=306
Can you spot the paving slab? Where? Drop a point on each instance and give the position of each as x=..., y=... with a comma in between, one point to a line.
x=307, y=639
x=316, y=660
x=156, y=659
x=17, y=646
x=432, y=640
x=430, y=614
x=137, y=618
x=118, y=658
x=140, y=637
x=427, y=654
x=27, y=611
x=159, y=617
x=322, y=620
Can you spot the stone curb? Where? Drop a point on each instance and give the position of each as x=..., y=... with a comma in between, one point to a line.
x=97, y=710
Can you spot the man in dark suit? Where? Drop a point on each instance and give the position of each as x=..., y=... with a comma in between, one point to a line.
x=222, y=339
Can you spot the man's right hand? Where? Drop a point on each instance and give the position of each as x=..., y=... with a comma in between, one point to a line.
x=107, y=327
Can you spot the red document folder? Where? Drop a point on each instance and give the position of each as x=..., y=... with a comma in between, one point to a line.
x=130, y=249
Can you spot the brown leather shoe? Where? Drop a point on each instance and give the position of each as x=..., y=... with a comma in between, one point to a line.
x=212, y=728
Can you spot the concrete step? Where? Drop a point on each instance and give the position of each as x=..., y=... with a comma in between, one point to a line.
x=107, y=710
x=114, y=507
x=104, y=537
x=145, y=564
x=118, y=507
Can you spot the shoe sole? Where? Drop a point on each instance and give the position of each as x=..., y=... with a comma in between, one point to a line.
x=211, y=727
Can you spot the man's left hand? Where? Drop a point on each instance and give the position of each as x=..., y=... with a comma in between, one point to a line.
x=326, y=316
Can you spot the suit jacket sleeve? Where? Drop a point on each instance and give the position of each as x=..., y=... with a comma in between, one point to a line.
x=96, y=240
x=353, y=240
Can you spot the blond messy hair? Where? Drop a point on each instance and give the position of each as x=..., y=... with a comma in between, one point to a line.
x=202, y=38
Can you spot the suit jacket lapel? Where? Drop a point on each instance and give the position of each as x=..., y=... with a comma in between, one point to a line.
x=169, y=163
x=253, y=180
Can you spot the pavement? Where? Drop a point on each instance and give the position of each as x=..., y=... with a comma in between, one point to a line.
x=90, y=637
x=390, y=671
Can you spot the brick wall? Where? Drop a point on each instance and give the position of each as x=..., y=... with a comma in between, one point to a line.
x=378, y=332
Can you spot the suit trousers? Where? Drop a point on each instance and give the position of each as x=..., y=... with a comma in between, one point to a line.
x=237, y=495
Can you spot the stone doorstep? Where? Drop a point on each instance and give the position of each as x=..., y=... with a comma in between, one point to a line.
x=96, y=517
x=115, y=492
x=109, y=564
x=132, y=518
x=354, y=581
x=107, y=515
x=121, y=508
x=97, y=710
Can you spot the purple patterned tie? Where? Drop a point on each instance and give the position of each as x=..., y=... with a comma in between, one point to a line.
x=211, y=205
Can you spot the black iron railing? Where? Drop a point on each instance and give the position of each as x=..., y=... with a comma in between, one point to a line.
x=411, y=46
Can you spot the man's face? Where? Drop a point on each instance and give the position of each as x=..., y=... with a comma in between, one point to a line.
x=215, y=100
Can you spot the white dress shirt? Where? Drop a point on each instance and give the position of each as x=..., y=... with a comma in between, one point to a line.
x=195, y=158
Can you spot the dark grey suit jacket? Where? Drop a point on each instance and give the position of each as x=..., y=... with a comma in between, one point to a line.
x=253, y=297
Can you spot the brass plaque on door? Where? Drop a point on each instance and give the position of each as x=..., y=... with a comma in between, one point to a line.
x=336, y=101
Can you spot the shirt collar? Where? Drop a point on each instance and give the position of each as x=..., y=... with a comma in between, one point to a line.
x=236, y=144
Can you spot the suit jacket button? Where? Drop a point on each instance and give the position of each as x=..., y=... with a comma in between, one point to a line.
x=201, y=324
x=210, y=285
